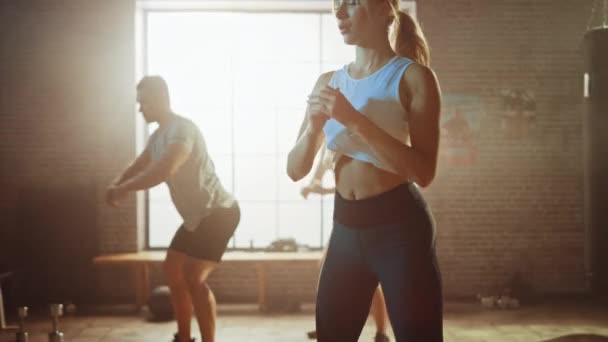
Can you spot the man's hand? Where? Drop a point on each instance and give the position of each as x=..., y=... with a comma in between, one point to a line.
x=115, y=194
x=314, y=187
x=305, y=191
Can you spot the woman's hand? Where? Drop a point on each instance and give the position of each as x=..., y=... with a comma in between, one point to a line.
x=316, y=115
x=332, y=103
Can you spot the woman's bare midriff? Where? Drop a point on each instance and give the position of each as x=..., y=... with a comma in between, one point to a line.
x=357, y=180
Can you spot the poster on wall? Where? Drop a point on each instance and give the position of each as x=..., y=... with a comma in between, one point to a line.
x=460, y=126
x=518, y=112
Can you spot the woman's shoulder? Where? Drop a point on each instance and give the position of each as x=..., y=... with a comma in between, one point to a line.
x=323, y=80
x=417, y=73
x=418, y=81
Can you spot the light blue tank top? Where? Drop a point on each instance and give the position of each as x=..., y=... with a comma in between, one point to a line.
x=377, y=97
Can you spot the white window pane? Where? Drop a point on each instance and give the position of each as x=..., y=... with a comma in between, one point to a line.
x=194, y=32
x=289, y=190
x=276, y=84
x=255, y=178
x=329, y=179
x=164, y=219
x=214, y=124
x=294, y=82
x=334, y=50
x=195, y=92
x=278, y=37
x=247, y=94
x=258, y=224
x=179, y=49
x=289, y=121
x=223, y=169
x=255, y=131
x=301, y=221
x=253, y=84
x=328, y=217
x=332, y=66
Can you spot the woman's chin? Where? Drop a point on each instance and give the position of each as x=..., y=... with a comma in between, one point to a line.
x=348, y=39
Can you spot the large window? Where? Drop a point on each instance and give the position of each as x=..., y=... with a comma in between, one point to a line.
x=242, y=74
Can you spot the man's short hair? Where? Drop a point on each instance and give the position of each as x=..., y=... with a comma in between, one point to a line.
x=154, y=84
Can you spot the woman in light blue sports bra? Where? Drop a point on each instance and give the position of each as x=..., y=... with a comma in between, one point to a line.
x=380, y=115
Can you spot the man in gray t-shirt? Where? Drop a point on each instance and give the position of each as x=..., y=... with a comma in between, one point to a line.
x=177, y=155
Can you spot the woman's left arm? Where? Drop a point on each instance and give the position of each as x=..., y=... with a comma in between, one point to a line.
x=420, y=96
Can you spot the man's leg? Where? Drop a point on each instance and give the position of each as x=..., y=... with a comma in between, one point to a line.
x=180, y=296
x=197, y=272
x=206, y=246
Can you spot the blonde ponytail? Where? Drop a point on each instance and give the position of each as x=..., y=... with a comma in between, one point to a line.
x=407, y=38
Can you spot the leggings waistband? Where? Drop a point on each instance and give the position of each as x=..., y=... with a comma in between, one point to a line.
x=391, y=206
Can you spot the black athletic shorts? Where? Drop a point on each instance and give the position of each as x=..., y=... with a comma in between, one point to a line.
x=210, y=239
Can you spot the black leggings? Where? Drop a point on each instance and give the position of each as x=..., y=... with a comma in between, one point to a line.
x=386, y=239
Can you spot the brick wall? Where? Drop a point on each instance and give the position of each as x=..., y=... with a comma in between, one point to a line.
x=519, y=206
x=67, y=104
x=67, y=110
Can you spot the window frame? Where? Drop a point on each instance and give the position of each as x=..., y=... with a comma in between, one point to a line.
x=145, y=7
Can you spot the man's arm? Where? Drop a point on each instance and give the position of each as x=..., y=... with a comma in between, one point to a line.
x=138, y=165
x=323, y=165
x=321, y=190
x=315, y=186
x=158, y=171
x=316, y=189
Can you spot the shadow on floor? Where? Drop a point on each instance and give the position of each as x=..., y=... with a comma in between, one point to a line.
x=579, y=338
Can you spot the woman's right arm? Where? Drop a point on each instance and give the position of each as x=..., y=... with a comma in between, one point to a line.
x=302, y=155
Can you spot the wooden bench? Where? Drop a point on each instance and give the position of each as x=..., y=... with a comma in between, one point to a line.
x=140, y=263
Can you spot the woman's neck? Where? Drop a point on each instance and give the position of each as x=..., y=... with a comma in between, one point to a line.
x=370, y=59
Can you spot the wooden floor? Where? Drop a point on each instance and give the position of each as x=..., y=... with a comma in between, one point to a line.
x=465, y=322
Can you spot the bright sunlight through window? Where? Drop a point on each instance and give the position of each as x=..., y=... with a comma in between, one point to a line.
x=243, y=78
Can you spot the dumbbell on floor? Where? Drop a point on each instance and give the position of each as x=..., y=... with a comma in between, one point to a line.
x=22, y=335
x=56, y=312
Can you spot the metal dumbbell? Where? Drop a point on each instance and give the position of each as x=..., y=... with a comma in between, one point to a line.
x=56, y=312
x=22, y=335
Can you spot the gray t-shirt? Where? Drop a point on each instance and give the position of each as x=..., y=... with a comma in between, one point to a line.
x=195, y=188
